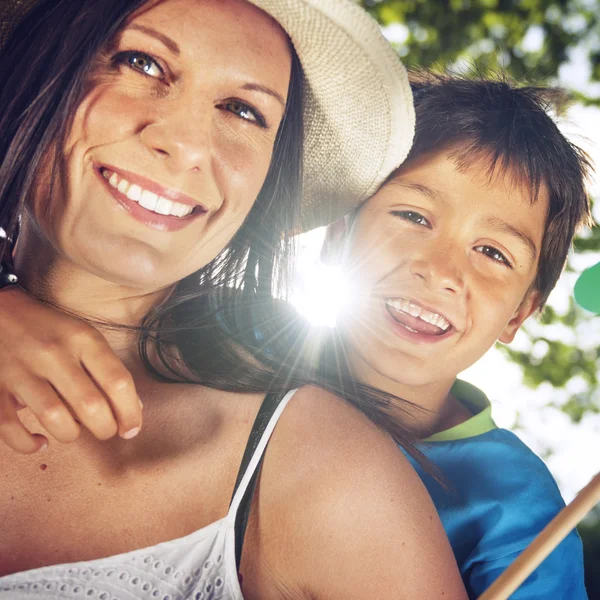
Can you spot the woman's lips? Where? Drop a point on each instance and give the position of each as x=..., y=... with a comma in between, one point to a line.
x=150, y=197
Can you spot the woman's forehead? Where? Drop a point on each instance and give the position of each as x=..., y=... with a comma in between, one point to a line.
x=226, y=33
x=240, y=21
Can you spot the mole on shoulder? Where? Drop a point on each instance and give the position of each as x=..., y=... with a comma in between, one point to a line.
x=43, y=467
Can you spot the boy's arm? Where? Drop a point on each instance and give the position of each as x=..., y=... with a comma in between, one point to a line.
x=559, y=577
x=64, y=371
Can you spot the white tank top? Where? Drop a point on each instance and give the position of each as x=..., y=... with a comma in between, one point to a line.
x=199, y=566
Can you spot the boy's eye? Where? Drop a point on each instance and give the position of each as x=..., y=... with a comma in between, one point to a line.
x=244, y=111
x=494, y=254
x=142, y=62
x=412, y=216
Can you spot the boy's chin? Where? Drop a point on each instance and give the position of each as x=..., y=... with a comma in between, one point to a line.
x=411, y=373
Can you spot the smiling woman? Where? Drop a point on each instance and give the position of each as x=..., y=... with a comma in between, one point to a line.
x=150, y=180
x=206, y=139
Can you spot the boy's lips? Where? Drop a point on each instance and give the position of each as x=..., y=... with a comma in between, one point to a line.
x=419, y=323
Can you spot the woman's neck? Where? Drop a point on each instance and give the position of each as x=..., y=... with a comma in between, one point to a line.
x=47, y=274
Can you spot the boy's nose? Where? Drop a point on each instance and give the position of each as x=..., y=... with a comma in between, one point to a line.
x=439, y=272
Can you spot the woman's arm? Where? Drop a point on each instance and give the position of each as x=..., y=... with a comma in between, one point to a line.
x=64, y=371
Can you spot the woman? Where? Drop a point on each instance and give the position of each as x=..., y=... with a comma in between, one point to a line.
x=133, y=160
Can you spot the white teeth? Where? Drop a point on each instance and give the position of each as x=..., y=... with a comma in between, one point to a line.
x=180, y=210
x=123, y=186
x=148, y=200
x=416, y=311
x=145, y=198
x=163, y=206
x=134, y=192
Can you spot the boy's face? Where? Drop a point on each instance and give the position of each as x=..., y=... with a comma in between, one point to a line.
x=442, y=261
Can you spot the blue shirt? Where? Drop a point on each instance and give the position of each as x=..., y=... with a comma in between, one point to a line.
x=501, y=496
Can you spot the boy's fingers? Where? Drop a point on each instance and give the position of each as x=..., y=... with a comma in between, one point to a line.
x=116, y=382
x=13, y=433
x=48, y=408
x=87, y=402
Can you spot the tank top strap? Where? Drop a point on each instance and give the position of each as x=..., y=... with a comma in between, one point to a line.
x=239, y=510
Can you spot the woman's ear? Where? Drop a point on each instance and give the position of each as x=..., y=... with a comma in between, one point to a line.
x=529, y=305
x=335, y=240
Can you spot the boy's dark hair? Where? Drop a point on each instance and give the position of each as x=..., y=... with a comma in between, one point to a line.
x=509, y=126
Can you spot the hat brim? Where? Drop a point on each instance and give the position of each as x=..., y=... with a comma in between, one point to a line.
x=358, y=110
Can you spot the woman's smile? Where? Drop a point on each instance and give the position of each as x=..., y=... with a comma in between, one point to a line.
x=150, y=203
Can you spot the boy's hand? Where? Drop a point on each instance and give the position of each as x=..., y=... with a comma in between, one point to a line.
x=64, y=371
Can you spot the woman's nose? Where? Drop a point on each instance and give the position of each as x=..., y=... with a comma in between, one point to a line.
x=181, y=135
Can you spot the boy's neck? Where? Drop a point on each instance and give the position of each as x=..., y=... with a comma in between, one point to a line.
x=442, y=409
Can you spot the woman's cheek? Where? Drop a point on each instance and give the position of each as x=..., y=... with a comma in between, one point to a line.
x=242, y=160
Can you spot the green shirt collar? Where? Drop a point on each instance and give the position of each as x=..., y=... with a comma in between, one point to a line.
x=478, y=404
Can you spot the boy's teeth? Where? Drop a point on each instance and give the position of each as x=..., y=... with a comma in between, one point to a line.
x=145, y=198
x=416, y=311
x=413, y=309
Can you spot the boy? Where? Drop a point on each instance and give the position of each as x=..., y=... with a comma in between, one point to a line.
x=461, y=245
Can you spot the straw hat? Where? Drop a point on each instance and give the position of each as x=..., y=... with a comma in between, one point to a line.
x=359, y=117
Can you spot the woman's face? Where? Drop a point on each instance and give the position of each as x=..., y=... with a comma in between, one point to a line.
x=171, y=144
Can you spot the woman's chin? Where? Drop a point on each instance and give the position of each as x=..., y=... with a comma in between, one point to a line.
x=144, y=272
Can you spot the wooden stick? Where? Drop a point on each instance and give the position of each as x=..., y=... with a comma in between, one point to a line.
x=545, y=542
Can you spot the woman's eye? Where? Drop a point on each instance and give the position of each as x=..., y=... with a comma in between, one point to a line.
x=494, y=254
x=412, y=216
x=142, y=62
x=244, y=111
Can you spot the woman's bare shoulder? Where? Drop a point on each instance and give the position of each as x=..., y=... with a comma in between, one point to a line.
x=338, y=491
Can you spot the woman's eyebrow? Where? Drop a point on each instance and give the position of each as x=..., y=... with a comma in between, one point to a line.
x=167, y=41
x=257, y=87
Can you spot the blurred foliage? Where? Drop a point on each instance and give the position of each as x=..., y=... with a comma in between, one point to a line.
x=530, y=40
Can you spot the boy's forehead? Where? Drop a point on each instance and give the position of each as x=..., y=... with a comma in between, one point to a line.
x=476, y=187
x=438, y=175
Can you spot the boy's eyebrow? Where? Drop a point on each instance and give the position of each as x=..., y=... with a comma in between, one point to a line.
x=421, y=189
x=167, y=41
x=492, y=222
x=504, y=227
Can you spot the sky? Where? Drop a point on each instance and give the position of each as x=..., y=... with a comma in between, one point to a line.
x=569, y=450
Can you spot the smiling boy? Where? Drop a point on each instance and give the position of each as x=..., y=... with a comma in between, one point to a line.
x=460, y=246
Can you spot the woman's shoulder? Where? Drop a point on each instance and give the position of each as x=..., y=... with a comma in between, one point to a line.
x=333, y=445
x=318, y=421
x=333, y=483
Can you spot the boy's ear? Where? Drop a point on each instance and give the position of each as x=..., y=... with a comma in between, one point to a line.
x=335, y=239
x=529, y=305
